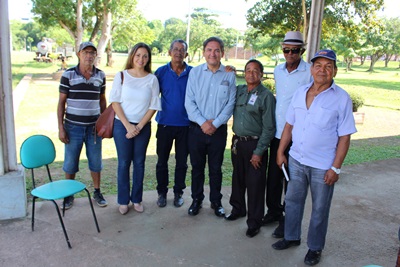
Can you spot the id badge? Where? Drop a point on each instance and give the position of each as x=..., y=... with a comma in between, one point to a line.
x=252, y=99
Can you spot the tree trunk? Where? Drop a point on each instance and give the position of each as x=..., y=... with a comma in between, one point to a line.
x=305, y=28
x=362, y=59
x=347, y=61
x=105, y=32
x=276, y=59
x=387, y=59
x=110, y=60
x=79, y=27
x=374, y=59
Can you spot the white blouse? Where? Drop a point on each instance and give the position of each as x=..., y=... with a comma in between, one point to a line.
x=136, y=95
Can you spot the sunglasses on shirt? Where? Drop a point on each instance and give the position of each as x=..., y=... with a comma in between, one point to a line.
x=294, y=50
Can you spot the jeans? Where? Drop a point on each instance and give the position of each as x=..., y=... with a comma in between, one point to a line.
x=201, y=148
x=79, y=135
x=165, y=138
x=128, y=151
x=302, y=177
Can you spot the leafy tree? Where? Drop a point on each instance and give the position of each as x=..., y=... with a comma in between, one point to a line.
x=266, y=16
x=157, y=28
x=18, y=35
x=202, y=26
x=345, y=41
x=173, y=29
x=392, y=34
x=96, y=18
x=375, y=45
x=266, y=44
x=230, y=37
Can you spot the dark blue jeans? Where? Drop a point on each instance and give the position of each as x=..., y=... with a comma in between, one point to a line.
x=165, y=138
x=201, y=148
x=128, y=151
x=79, y=135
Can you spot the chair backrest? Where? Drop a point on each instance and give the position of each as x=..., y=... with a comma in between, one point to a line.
x=37, y=151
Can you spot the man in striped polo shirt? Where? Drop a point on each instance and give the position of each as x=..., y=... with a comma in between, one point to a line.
x=81, y=100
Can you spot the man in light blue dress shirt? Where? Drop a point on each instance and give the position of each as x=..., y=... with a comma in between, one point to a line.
x=209, y=102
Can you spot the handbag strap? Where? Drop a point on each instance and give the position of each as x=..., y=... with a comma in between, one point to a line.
x=122, y=77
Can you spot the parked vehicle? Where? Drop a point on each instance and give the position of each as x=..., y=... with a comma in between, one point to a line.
x=46, y=54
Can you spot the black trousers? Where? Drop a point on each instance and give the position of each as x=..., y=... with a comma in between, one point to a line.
x=246, y=178
x=275, y=180
x=205, y=148
x=166, y=135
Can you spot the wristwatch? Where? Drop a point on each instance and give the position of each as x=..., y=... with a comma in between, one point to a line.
x=336, y=170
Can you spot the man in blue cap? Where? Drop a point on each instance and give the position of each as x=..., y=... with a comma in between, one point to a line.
x=320, y=130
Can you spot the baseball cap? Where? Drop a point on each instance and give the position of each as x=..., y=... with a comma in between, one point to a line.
x=326, y=53
x=293, y=38
x=86, y=44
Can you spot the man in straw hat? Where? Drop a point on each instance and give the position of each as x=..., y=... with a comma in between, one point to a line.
x=288, y=76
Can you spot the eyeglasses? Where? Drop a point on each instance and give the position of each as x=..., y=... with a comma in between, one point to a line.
x=89, y=53
x=294, y=50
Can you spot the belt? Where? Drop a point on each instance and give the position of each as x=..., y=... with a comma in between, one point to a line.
x=246, y=138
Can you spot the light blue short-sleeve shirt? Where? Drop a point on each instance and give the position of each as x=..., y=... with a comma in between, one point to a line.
x=316, y=130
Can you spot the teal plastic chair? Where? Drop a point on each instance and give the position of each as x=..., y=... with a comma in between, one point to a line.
x=37, y=151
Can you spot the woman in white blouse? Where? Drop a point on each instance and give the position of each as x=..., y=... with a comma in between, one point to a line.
x=135, y=99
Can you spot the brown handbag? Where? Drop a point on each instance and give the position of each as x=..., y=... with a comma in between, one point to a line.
x=105, y=122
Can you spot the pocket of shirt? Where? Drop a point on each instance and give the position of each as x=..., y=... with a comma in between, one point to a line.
x=222, y=93
x=325, y=119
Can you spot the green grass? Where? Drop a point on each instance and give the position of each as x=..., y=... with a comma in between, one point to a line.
x=377, y=139
x=380, y=88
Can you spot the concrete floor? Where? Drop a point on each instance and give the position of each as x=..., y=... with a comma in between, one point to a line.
x=363, y=230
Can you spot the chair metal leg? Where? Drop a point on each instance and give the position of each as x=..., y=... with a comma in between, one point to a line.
x=63, y=207
x=94, y=214
x=33, y=213
x=62, y=224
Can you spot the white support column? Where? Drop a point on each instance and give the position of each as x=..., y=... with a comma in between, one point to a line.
x=12, y=179
x=314, y=31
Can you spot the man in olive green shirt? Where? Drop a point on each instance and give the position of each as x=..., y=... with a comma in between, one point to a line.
x=254, y=128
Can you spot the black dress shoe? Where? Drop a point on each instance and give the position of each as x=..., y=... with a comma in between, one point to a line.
x=252, y=232
x=218, y=209
x=233, y=216
x=270, y=218
x=313, y=257
x=279, y=232
x=178, y=200
x=195, y=207
x=284, y=244
x=161, y=201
